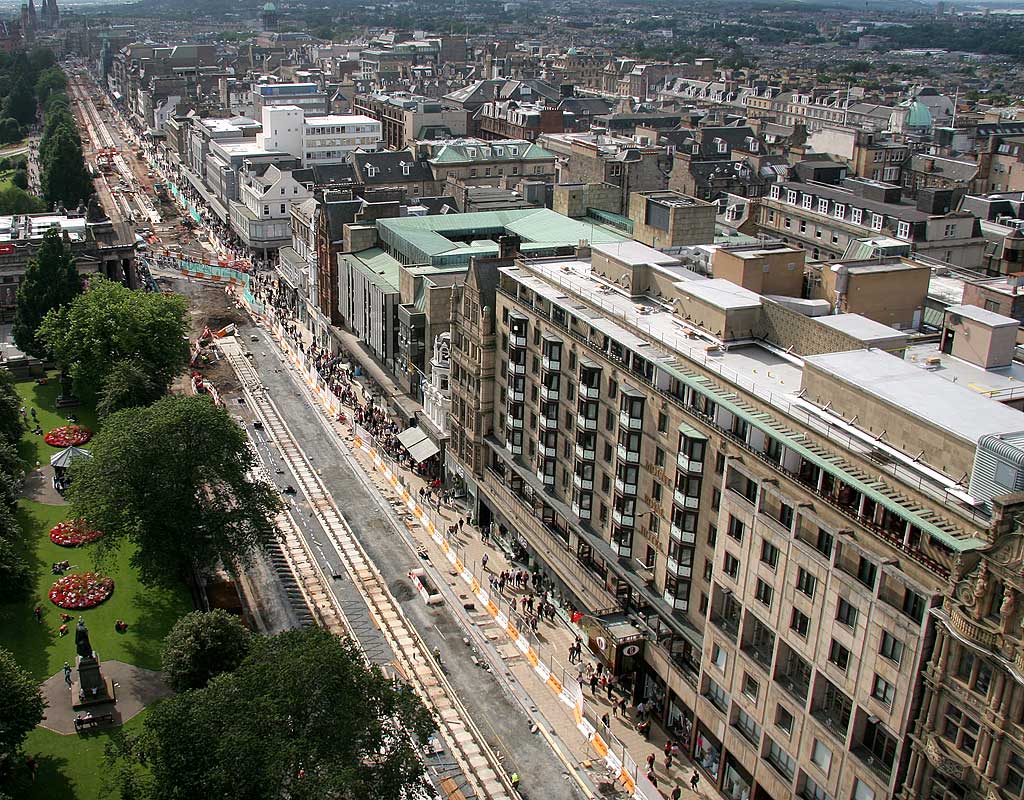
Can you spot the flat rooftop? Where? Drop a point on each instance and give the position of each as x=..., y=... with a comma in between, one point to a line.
x=919, y=392
x=1000, y=383
x=340, y=119
x=860, y=327
x=633, y=253
x=721, y=293
x=979, y=314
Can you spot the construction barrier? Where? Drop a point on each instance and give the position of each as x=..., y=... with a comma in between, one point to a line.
x=568, y=692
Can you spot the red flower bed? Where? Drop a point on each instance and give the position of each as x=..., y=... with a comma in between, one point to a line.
x=68, y=435
x=73, y=533
x=82, y=590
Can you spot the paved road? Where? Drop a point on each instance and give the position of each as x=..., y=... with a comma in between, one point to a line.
x=498, y=716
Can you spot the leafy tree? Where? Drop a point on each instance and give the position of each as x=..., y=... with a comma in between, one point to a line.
x=50, y=81
x=175, y=479
x=23, y=710
x=302, y=717
x=17, y=201
x=127, y=384
x=203, y=645
x=10, y=130
x=21, y=103
x=64, y=177
x=57, y=100
x=41, y=58
x=11, y=425
x=20, y=179
x=97, y=337
x=15, y=576
x=50, y=281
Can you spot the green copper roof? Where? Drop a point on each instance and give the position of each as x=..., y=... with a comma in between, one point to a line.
x=919, y=116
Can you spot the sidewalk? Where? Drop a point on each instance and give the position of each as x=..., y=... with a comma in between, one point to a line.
x=554, y=636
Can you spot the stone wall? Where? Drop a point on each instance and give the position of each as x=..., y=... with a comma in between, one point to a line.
x=787, y=329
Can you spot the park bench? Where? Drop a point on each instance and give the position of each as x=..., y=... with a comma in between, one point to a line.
x=96, y=721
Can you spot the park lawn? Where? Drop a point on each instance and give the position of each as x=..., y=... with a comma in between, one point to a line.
x=72, y=766
x=43, y=397
x=150, y=612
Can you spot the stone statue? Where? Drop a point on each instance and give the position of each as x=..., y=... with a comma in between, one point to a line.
x=82, y=644
x=980, y=590
x=1007, y=608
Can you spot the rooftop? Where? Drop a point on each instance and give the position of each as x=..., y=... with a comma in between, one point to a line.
x=910, y=387
x=860, y=327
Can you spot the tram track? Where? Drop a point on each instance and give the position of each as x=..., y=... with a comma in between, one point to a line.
x=412, y=660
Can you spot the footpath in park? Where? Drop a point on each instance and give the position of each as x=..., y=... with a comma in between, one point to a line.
x=553, y=637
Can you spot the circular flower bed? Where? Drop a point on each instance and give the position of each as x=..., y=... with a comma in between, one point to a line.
x=82, y=590
x=73, y=533
x=68, y=435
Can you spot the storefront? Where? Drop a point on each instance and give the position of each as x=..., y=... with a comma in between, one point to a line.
x=736, y=781
x=619, y=646
x=707, y=752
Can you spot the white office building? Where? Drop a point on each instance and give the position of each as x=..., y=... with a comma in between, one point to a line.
x=321, y=139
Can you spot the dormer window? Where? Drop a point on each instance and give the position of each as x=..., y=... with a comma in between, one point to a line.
x=822, y=205
x=791, y=196
x=808, y=202
x=722, y=146
x=371, y=171
x=776, y=192
x=405, y=168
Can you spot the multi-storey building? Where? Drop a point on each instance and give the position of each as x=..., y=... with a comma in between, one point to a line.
x=825, y=220
x=307, y=96
x=757, y=515
x=476, y=162
x=508, y=119
x=261, y=217
x=405, y=118
x=329, y=139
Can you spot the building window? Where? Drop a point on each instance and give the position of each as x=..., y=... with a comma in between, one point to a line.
x=846, y=614
x=784, y=720
x=735, y=528
x=867, y=572
x=800, y=623
x=806, y=582
x=822, y=205
x=747, y=727
x=861, y=791
x=825, y=542
x=903, y=230
x=731, y=565
x=883, y=691
x=913, y=605
x=808, y=202
x=960, y=730
x=1013, y=783
x=791, y=197
x=856, y=216
x=775, y=192
x=876, y=222
x=839, y=211
x=949, y=231
x=891, y=647
x=662, y=422
x=751, y=688
x=763, y=592
x=769, y=554
x=839, y=655
x=821, y=757
x=781, y=760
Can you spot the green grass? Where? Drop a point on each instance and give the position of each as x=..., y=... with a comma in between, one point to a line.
x=42, y=397
x=71, y=766
x=149, y=612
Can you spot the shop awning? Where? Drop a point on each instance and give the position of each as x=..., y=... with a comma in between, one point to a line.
x=412, y=436
x=423, y=450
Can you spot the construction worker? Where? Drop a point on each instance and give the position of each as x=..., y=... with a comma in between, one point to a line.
x=514, y=778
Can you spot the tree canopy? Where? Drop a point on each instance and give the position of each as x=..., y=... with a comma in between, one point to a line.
x=175, y=478
x=51, y=281
x=302, y=717
x=202, y=645
x=23, y=710
x=20, y=104
x=108, y=334
x=64, y=177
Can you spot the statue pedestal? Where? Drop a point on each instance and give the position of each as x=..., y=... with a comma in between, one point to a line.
x=91, y=688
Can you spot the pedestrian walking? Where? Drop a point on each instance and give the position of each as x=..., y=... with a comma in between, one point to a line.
x=694, y=780
x=677, y=793
x=606, y=720
x=593, y=685
x=668, y=747
x=67, y=674
x=668, y=761
x=621, y=705
x=484, y=560
x=608, y=690
x=653, y=779
x=650, y=762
